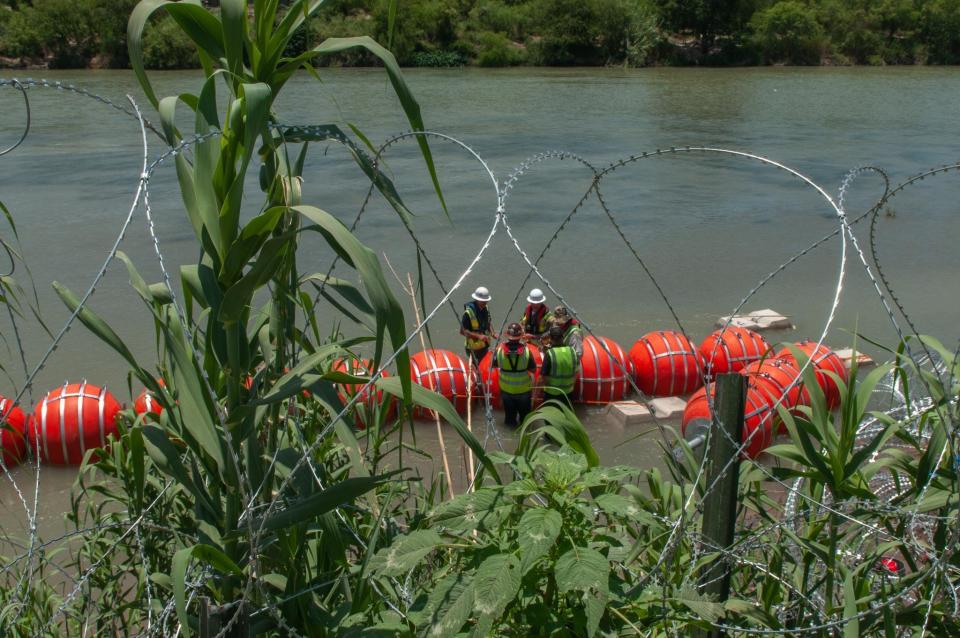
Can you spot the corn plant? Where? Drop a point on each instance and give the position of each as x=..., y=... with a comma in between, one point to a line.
x=236, y=478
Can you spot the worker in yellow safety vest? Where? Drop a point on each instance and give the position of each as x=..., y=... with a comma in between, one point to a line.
x=559, y=369
x=572, y=332
x=536, y=317
x=516, y=364
x=476, y=326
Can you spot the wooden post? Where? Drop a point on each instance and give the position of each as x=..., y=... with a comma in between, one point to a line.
x=723, y=468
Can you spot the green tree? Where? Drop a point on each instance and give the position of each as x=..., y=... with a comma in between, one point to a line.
x=788, y=32
x=706, y=19
x=940, y=31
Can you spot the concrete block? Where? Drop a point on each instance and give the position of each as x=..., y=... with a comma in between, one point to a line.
x=863, y=361
x=628, y=413
x=758, y=320
x=668, y=407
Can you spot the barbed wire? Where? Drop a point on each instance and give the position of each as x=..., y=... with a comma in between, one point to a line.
x=938, y=570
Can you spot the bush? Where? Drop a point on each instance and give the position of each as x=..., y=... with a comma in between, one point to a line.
x=627, y=30
x=165, y=46
x=438, y=59
x=788, y=32
x=940, y=31
x=495, y=49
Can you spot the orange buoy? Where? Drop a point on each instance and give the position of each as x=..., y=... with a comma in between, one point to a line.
x=665, y=364
x=146, y=402
x=603, y=377
x=730, y=350
x=824, y=360
x=13, y=436
x=775, y=377
x=759, y=419
x=71, y=420
x=368, y=401
x=490, y=376
x=446, y=374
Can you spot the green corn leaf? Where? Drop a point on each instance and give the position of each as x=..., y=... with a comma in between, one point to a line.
x=851, y=627
x=178, y=575
x=377, y=176
x=405, y=553
x=233, y=16
x=199, y=25
x=537, y=532
x=431, y=400
x=251, y=239
x=238, y=297
x=194, y=403
x=167, y=457
x=407, y=101
x=320, y=503
x=388, y=311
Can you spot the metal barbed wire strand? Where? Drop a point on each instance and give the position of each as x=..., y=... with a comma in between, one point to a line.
x=30, y=83
x=58, y=338
x=15, y=83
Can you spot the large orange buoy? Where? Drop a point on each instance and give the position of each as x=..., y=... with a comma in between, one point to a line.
x=368, y=401
x=759, y=419
x=71, y=420
x=603, y=377
x=146, y=402
x=446, y=374
x=824, y=360
x=779, y=379
x=490, y=376
x=730, y=350
x=665, y=364
x=13, y=436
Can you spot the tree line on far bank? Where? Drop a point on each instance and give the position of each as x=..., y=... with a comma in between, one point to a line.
x=494, y=33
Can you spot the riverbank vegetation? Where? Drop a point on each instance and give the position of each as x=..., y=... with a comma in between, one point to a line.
x=496, y=33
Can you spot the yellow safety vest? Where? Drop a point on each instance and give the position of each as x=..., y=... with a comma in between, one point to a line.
x=475, y=344
x=514, y=378
x=563, y=370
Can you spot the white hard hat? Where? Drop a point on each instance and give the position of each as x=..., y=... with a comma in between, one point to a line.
x=536, y=296
x=482, y=294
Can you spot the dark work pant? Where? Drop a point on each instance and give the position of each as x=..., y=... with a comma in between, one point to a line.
x=516, y=407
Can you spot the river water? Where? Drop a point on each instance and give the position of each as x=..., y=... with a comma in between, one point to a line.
x=708, y=226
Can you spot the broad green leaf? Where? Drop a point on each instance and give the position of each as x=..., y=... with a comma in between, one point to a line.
x=495, y=586
x=405, y=553
x=471, y=510
x=582, y=569
x=451, y=604
x=537, y=532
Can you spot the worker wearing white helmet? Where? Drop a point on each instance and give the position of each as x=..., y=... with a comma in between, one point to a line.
x=476, y=326
x=536, y=317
